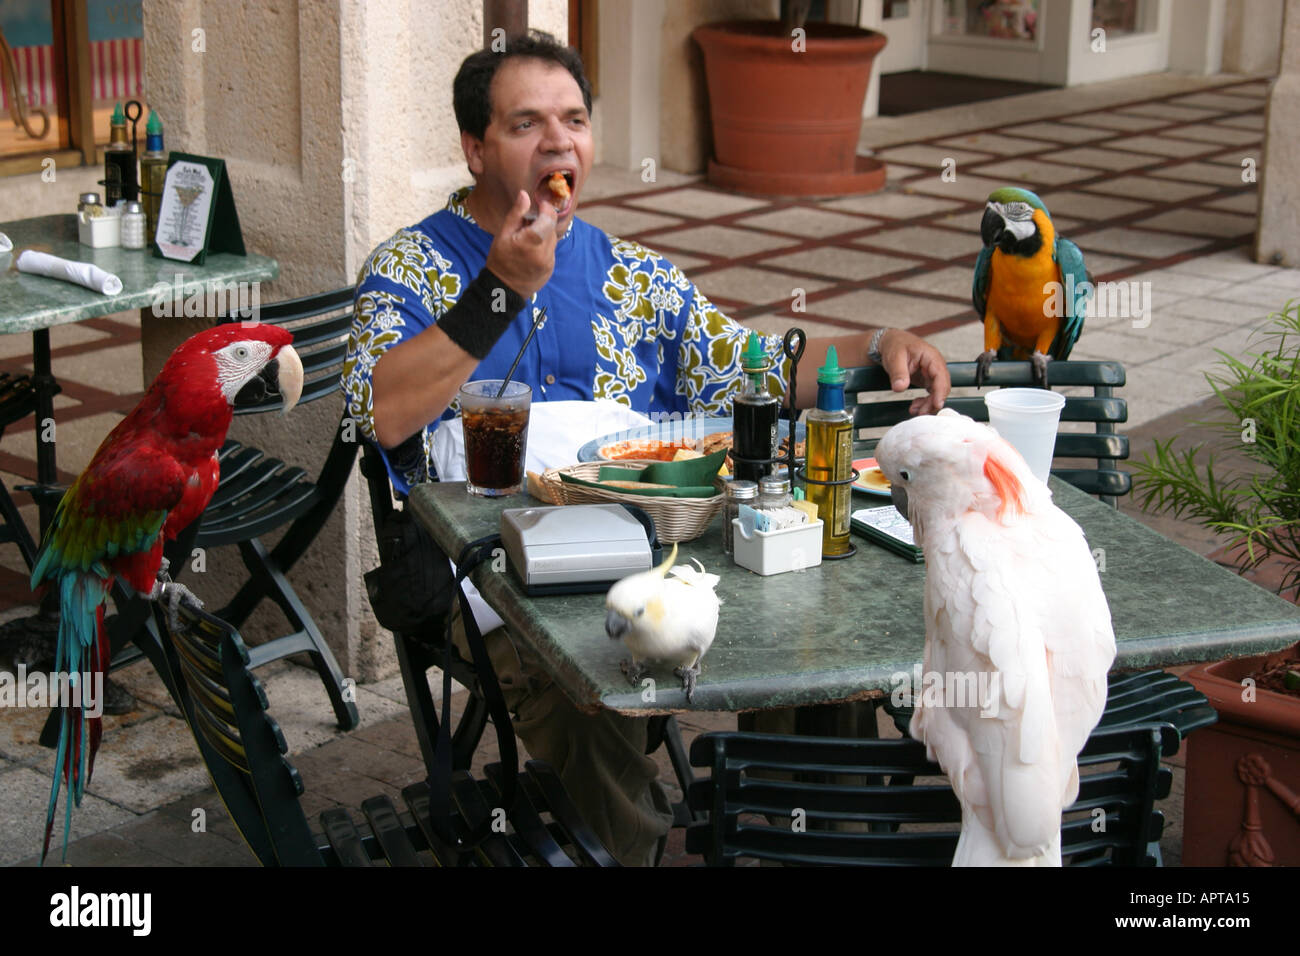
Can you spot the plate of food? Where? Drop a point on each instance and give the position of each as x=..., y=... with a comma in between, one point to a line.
x=870, y=478
x=665, y=440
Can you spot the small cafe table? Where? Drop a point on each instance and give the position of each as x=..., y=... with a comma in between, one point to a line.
x=843, y=630
x=35, y=304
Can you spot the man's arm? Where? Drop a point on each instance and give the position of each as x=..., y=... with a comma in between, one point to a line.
x=909, y=360
x=413, y=382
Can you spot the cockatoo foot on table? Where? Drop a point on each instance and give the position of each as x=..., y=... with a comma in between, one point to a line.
x=633, y=671
x=688, y=675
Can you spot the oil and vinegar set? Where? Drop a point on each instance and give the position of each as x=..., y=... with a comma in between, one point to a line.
x=774, y=528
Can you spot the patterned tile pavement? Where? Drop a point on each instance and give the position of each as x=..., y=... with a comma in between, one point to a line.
x=1151, y=188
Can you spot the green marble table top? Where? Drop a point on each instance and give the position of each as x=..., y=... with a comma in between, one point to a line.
x=840, y=631
x=30, y=302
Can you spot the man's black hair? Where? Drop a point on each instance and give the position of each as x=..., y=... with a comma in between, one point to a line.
x=471, y=90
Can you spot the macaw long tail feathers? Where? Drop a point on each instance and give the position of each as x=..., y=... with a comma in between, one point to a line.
x=80, y=659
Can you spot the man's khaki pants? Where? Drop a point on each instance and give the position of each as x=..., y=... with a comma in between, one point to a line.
x=600, y=757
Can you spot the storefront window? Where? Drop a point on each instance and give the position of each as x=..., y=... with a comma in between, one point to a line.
x=1003, y=19
x=1119, y=17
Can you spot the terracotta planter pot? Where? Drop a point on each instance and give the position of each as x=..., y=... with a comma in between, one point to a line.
x=1242, y=806
x=786, y=122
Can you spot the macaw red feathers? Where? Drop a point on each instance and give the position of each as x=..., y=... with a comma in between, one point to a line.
x=149, y=479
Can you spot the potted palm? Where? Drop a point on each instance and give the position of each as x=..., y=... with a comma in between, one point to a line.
x=1243, y=773
x=785, y=103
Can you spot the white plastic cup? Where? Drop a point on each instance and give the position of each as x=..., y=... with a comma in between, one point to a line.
x=1028, y=419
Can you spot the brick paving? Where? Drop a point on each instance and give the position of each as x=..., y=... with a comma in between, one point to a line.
x=1150, y=187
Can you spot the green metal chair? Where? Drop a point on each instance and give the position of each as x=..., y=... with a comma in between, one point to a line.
x=1139, y=698
x=259, y=495
x=208, y=669
x=826, y=815
x=17, y=401
x=1103, y=409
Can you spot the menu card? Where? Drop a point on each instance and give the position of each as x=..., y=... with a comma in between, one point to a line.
x=889, y=529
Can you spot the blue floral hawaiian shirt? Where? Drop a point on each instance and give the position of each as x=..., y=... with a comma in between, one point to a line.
x=622, y=322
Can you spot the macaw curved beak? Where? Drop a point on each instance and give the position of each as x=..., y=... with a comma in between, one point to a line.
x=992, y=226
x=290, y=376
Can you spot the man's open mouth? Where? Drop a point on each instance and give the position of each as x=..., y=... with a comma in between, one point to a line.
x=556, y=188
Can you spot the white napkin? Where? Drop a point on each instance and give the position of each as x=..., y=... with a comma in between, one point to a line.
x=5, y=243
x=556, y=430
x=82, y=273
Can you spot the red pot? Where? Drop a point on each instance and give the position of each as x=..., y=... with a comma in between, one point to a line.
x=787, y=122
x=1242, y=805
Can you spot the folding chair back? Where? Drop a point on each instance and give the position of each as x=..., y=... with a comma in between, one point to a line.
x=1102, y=409
x=258, y=494
x=802, y=800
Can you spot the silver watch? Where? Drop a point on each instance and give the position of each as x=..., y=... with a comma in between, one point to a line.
x=873, y=350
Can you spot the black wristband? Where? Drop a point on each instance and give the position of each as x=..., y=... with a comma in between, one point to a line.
x=482, y=314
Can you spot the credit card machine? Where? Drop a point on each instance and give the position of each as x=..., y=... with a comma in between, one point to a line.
x=575, y=549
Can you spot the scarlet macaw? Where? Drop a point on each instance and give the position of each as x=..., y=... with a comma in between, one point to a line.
x=149, y=480
x=1030, y=288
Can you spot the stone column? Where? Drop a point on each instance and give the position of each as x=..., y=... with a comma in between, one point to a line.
x=1277, y=240
x=335, y=121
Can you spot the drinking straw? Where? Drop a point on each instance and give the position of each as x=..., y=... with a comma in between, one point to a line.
x=541, y=317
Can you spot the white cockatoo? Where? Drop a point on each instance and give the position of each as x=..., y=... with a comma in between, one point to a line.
x=1013, y=607
x=665, y=615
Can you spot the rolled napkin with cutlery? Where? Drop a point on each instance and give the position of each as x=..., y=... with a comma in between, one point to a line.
x=82, y=273
x=5, y=243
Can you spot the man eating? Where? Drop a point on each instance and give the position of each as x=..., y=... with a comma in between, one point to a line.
x=454, y=296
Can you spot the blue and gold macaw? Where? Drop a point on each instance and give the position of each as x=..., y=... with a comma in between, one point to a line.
x=1031, y=289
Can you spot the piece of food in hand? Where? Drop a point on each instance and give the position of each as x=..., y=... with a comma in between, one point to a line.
x=559, y=186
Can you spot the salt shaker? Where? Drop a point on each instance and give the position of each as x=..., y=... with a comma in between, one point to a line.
x=87, y=200
x=735, y=494
x=773, y=492
x=133, y=226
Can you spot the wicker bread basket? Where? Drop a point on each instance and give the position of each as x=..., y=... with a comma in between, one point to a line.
x=676, y=519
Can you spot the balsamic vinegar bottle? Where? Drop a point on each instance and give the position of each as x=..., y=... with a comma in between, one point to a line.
x=754, y=415
x=120, y=181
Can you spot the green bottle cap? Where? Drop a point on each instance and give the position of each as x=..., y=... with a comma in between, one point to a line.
x=754, y=359
x=831, y=373
x=118, y=118
x=154, y=126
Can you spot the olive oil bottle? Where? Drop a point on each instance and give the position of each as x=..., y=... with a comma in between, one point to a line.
x=830, y=457
x=153, y=174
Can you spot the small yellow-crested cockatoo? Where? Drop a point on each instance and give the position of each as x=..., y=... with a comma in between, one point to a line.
x=665, y=615
x=1013, y=605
